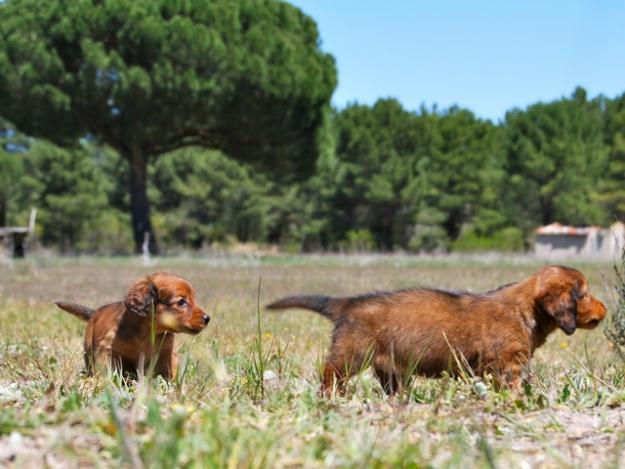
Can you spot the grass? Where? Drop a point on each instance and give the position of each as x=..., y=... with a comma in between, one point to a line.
x=246, y=392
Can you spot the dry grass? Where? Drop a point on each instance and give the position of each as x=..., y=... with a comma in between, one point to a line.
x=245, y=399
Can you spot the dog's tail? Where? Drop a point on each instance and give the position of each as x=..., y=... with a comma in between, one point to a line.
x=327, y=306
x=80, y=311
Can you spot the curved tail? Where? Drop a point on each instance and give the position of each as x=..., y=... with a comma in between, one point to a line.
x=80, y=311
x=324, y=305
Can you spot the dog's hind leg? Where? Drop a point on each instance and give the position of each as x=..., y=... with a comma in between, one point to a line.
x=337, y=371
x=391, y=383
x=346, y=357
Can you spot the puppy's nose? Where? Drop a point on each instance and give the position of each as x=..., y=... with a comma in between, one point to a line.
x=206, y=319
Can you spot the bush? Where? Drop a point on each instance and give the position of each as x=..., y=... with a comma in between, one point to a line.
x=428, y=234
x=506, y=239
x=358, y=241
x=615, y=330
x=429, y=238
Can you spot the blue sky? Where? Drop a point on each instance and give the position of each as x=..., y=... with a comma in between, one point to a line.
x=486, y=56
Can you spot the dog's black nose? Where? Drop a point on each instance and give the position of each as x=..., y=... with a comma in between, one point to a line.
x=206, y=319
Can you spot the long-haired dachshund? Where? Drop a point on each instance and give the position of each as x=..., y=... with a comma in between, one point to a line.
x=428, y=331
x=138, y=332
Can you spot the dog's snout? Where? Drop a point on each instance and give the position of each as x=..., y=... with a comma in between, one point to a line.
x=206, y=318
x=599, y=310
x=593, y=316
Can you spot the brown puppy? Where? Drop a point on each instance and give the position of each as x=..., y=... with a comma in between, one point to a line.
x=138, y=332
x=431, y=331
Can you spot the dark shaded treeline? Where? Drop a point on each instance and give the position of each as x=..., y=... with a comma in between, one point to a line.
x=386, y=178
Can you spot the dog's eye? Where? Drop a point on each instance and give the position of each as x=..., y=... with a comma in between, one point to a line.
x=182, y=302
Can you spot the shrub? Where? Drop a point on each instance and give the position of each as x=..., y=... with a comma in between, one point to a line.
x=506, y=239
x=358, y=241
x=615, y=330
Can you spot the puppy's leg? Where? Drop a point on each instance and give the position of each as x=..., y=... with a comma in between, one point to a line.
x=345, y=359
x=385, y=370
x=165, y=355
x=337, y=371
x=166, y=364
x=88, y=350
x=102, y=357
x=89, y=357
x=510, y=368
x=102, y=352
x=391, y=383
x=332, y=376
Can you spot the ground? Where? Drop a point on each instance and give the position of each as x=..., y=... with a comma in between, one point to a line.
x=248, y=398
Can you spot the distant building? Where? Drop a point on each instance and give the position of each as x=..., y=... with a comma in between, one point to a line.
x=558, y=240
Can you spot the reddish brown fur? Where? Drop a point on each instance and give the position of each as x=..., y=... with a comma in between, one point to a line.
x=431, y=331
x=129, y=337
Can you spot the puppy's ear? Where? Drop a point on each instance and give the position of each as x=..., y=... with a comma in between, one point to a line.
x=561, y=306
x=141, y=297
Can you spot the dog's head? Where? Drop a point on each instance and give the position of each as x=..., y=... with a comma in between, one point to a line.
x=562, y=293
x=172, y=301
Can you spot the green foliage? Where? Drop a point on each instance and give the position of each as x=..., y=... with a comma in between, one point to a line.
x=504, y=240
x=376, y=149
x=204, y=196
x=358, y=241
x=428, y=234
x=555, y=156
x=235, y=95
x=11, y=145
x=10, y=170
x=70, y=190
x=159, y=75
x=612, y=194
x=147, y=77
x=411, y=179
x=386, y=179
x=615, y=331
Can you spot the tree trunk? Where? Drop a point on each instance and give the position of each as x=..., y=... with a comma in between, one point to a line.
x=3, y=212
x=139, y=203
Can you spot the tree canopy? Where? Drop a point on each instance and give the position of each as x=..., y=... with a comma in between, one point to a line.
x=147, y=77
x=555, y=154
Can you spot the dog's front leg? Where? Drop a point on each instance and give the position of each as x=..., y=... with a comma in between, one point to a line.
x=512, y=365
x=167, y=360
x=101, y=359
x=166, y=365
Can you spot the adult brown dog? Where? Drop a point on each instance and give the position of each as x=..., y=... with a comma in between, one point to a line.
x=428, y=331
x=138, y=332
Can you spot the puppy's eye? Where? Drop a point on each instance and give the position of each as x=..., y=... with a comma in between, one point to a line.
x=182, y=302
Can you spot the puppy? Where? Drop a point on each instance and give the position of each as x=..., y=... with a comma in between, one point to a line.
x=138, y=332
x=429, y=331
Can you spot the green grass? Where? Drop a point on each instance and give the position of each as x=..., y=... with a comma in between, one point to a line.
x=246, y=393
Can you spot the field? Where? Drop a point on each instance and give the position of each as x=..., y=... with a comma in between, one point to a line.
x=247, y=397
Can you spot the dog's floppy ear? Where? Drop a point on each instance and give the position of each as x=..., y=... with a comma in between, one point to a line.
x=562, y=307
x=141, y=297
x=557, y=296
